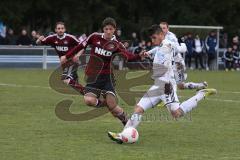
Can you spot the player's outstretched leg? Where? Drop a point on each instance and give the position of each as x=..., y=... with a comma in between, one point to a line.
x=192, y=102
x=134, y=121
x=188, y=85
x=116, y=110
x=193, y=85
x=115, y=137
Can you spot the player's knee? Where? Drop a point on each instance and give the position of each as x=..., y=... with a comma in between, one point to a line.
x=180, y=86
x=66, y=81
x=177, y=113
x=89, y=100
x=138, y=109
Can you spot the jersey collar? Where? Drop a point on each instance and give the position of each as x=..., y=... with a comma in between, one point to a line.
x=64, y=35
x=113, y=37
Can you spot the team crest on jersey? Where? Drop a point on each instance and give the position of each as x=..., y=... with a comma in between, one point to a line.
x=65, y=42
x=110, y=46
x=56, y=42
x=103, y=52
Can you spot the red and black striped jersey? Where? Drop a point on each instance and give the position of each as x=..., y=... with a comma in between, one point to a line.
x=61, y=44
x=102, y=53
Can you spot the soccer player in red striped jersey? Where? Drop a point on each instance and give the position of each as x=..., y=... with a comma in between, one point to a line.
x=63, y=42
x=104, y=46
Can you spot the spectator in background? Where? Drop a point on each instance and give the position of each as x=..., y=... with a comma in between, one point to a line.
x=2, y=33
x=24, y=39
x=143, y=44
x=182, y=39
x=198, y=51
x=211, y=46
x=119, y=35
x=126, y=45
x=11, y=37
x=224, y=40
x=228, y=59
x=148, y=46
x=236, y=57
x=141, y=47
x=38, y=35
x=2, y=40
x=235, y=41
x=34, y=37
x=134, y=39
x=189, y=41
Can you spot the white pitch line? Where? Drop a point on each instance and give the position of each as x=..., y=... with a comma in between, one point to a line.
x=211, y=99
x=231, y=92
x=20, y=86
x=223, y=100
x=220, y=92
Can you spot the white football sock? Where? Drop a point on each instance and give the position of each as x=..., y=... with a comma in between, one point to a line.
x=191, y=103
x=134, y=121
x=192, y=85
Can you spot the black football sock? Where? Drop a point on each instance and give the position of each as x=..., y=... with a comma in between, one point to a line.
x=123, y=118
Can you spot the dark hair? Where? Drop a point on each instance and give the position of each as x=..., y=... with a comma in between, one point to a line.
x=109, y=21
x=154, y=29
x=59, y=22
x=164, y=23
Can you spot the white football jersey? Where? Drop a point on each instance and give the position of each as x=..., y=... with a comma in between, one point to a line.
x=162, y=62
x=171, y=37
x=177, y=57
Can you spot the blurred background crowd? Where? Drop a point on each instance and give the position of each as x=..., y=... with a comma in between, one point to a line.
x=37, y=17
x=201, y=51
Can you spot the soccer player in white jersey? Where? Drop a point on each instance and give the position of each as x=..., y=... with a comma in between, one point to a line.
x=162, y=89
x=179, y=64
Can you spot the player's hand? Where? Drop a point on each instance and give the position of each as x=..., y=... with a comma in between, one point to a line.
x=41, y=38
x=75, y=59
x=63, y=60
x=144, y=54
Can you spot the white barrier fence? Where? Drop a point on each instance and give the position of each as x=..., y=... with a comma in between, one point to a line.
x=45, y=57
x=20, y=56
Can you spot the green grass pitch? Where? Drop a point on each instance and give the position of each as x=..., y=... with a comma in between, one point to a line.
x=30, y=130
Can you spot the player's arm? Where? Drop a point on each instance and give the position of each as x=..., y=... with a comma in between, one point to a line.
x=39, y=40
x=76, y=56
x=80, y=46
x=75, y=42
x=128, y=55
x=77, y=49
x=72, y=53
x=178, y=47
x=44, y=40
x=181, y=48
x=151, y=53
